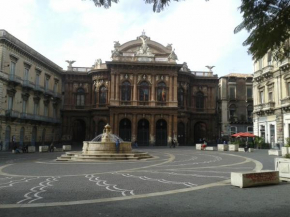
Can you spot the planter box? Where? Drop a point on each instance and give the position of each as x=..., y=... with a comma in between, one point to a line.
x=241, y=150
x=283, y=166
x=233, y=147
x=250, y=179
x=58, y=149
x=66, y=147
x=274, y=152
x=223, y=147
x=31, y=149
x=43, y=148
x=210, y=148
x=285, y=150
x=198, y=146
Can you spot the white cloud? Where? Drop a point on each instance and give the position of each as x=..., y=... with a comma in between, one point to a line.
x=201, y=32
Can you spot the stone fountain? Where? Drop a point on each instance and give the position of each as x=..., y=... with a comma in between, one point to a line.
x=103, y=147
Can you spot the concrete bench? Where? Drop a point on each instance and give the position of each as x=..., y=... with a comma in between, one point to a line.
x=210, y=148
x=233, y=147
x=274, y=152
x=243, y=149
x=31, y=149
x=223, y=147
x=66, y=147
x=283, y=166
x=250, y=179
x=198, y=146
x=58, y=149
x=43, y=148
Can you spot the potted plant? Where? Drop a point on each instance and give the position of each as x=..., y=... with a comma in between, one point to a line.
x=259, y=141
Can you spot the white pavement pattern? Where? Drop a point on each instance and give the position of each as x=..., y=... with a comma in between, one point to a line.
x=167, y=173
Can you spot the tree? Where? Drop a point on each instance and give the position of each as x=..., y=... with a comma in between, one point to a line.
x=268, y=22
x=158, y=5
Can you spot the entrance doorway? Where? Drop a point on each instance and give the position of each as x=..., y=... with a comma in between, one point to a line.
x=125, y=129
x=143, y=132
x=101, y=126
x=161, y=133
x=199, y=131
x=181, y=133
x=79, y=131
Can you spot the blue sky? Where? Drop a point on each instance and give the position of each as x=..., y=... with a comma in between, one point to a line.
x=201, y=32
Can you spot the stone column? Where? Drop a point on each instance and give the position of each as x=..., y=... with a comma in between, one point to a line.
x=134, y=128
x=170, y=89
x=152, y=130
x=112, y=86
x=117, y=88
x=175, y=90
x=153, y=97
x=135, y=90
x=174, y=127
x=169, y=134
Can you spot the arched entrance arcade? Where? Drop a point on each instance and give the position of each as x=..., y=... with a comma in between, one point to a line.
x=125, y=129
x=161, y=133
x=143, y=132
x=181, y=133
x=200, y=129
x=79, y=130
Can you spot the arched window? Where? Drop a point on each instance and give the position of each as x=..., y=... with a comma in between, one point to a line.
x=180, y=97
x=161, y=92
x=144, y=92
x=126, y=91
x=103, y=95
x=95, y=95
x=232, y=113
x=200, y=101
x=80, y=97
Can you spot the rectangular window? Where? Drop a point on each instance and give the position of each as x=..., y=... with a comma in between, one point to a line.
x=260, y=64
x=25, y=77
x=262, y=131
x=232, y=92
x=54, y=112
x=250, y=116
x=233, y=130
x=12, y=68
x=24, y=106
x=55, y=87
x=10, y=102
x=46, y=110
x=35, y=110
x=249, y=92
x=37, y=79
x=261, y=97
x=250, y=129
x=270, y=96
x=270, y=58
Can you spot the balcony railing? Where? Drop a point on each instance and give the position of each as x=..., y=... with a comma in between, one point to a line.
x=39, y=88
x=11, y=113
x=26, y=83
x=268, y=70
x=41, y=118
x=14, y=78
x=285, y=100
x=269, y=105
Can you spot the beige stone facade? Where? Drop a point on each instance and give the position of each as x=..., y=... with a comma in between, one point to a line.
x=235, y=104
x=30, y=87
x=271, y=88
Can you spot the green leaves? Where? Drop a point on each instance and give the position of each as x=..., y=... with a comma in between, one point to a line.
x=268, y=22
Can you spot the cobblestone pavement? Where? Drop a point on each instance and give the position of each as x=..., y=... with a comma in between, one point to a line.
x=32, y=181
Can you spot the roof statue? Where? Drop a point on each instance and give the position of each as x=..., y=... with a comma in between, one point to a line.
x=172, y=55
x=115, y=52
x=70, y=62
x=169, y=46
x=185, y=67
x=116, y=44
x=144, y=50
x=210, y=68
x=98, y=63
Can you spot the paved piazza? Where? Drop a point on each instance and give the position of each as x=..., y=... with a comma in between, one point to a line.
x=37, y=180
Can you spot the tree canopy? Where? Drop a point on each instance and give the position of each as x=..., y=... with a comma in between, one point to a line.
x=268, y=22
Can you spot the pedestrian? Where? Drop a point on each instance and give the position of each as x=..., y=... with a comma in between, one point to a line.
x=136, y=144
x=25, y=148
x=51, y=147
x=117, y=145
x=173, y=143
x=246, y=147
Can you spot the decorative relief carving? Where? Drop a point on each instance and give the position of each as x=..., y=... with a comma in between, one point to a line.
x=167, y=78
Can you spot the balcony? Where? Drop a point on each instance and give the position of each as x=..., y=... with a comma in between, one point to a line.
x=14, y=79
x=48, y=92
x=40, y=118
x=28, y=84
x=269, y=105
x=285, y=65
x=286, y=104
x=38, y=88
x=12, y=114
x=268, y=71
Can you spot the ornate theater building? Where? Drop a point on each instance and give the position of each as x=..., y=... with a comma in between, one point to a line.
x=143, y=94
